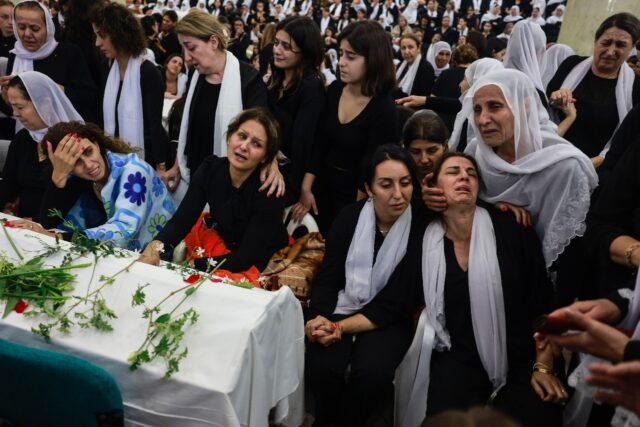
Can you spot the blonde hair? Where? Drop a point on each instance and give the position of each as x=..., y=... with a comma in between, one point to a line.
x=201, y=25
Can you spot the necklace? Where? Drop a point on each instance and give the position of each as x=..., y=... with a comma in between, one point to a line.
x=383, y=232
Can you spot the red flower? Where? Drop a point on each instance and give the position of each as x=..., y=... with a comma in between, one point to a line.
x=192, y=279
x=216, y=279
x=20, y=307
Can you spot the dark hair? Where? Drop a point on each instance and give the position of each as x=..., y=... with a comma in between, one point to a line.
x=147, y=23
x=477, y=40
x=496, y=45
x=449, y=154
x=171, y=14
x=268, y=122
x=123, y=28
x=303, y=31
x=16, y=83
x=32, y=5
x=464, y=54
x=6, y=3
x=383, y=153
x=92, y=132
x=369, y=39
x=625, y=21
x=425, y=125
x=411, y=36
x=170, y=57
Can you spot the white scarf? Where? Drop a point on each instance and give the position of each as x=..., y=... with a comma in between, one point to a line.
x=407, y=81
x=364, y=278
x=433, y=53
x=411, y=12
x=487, y=316
x=577, y=411
x=624, y=89
x=130, y=117
x=527, y=51
x=24, y=58
x=550, y=177
x=556, y=54
x=229, y=105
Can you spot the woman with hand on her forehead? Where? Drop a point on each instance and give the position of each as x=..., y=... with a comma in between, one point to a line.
x=37, y=50
x=484, y=282
x=359, y=323
x=37, y=103
x=102, y=188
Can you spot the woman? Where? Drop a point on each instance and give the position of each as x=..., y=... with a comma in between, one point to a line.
x=175, y=80
x=484, y=282
x=296, y=98
x=220, y=88
x=37, y=50
x=247, y=221
x=102, y=187
x=438, y=56
x=359, y=116
x=513, y=16
x=527, y=52
x=400, y=30
x=360, y=308
x=556, y=55
x=415, y=75
x=329, y=39
x=266, y=49
x=37, y=104
x=151, y=28
x=133, y=91
x=603, y=86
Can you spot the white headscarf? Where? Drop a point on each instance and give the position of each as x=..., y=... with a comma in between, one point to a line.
x=24, y=58
x=130, y=117
x=472, y=74
x=407, y=80
x=433, y=53
x=513, y=18
x=411, y=12
x=550, y=177
x=50, y=102
x=527, y=51
x=487, y=317
x=555, y=55
x=364, y=278
x=553, y=19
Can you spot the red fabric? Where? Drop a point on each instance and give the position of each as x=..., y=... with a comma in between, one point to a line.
x=20, y=307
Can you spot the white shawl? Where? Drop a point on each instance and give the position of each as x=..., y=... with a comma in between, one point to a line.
x=406, y=84
x=527, y=51
x=24, y=58
x=411, y=12
x=487, y=316
x=130, y=117
x=550, y=177
x=624, y=89
x=229, y=105
x=364, y=278
x=433, y=53
x=555, y=55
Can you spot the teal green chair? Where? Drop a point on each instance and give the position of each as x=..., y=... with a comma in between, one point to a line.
x=45, y=388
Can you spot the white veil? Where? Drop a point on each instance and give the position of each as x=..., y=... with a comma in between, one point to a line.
x=555, y=55
x=50, y=102
x=550, y=177
x=433, y=53
x=527, y=51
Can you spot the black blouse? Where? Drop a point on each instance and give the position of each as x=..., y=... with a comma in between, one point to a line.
x=249, y=222
x=24, y=176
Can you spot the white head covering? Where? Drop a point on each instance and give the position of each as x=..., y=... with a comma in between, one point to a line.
x=527, y=51
x=433, y=53
x=472, y=74
x=555, y=55
x=50, y=102
x=24, y=58
x=513, y=18
x=553, y=19
x=550, y=177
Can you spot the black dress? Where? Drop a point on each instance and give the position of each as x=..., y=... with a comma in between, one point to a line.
x=458, y=379
x=342, y=148
x=423, y=82
x=67, y=67
x=446, y=93
x=298, y=113
x=596, y=105
x=249, y=222
x=156, y=140
x=372, y=356
x=6, y=44
x=24, y=176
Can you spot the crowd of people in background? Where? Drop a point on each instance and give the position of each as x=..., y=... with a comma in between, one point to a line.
x=477, y=183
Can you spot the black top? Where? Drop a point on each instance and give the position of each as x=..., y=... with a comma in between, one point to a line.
x=423, y=82
x=625, y=135
x=254, y=94
x=526, y=292
x=239, y=46
x=298, y=113
x=170, y=44
x=156, y=141
x=615, y=213
x=63, y=199
x=204, y=109
x=345, y=146
x=24, y=176
x=446, y=93
x=6, y=44
x=596, y=105
x=393, y=303
x=67, y=67
x=249, y=222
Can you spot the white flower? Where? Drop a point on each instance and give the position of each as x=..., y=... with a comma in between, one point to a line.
x=199, y=252
x=212, y=262
x=159, y=247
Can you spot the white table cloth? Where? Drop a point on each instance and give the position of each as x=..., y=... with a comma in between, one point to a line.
x=246, y=351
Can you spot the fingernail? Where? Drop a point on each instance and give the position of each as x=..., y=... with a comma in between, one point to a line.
x=314, y=333
x=334, y=326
